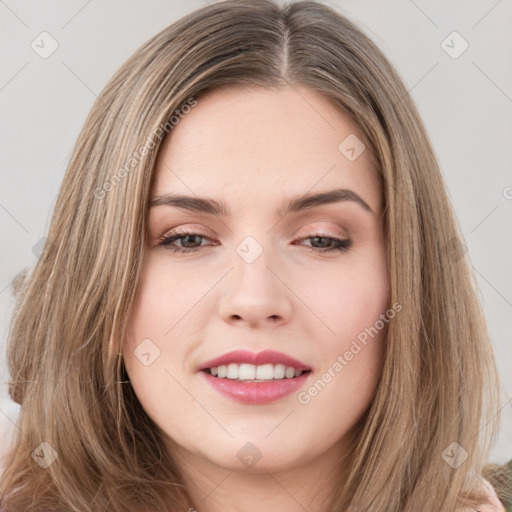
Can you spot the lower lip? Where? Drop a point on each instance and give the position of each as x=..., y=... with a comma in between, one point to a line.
x=255, y=393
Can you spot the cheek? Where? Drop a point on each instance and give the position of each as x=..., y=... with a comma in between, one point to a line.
x=153, y=353
x=163, y=320
x=352, y=354
x=352, y=300
x=166, y=306
x=356, y=311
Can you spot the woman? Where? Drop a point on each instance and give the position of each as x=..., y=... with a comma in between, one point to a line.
x=252, y=291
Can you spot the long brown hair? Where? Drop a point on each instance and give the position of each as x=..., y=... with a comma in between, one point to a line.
x=438, y=387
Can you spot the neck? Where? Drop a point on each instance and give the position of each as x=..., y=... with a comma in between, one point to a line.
x=294, y=487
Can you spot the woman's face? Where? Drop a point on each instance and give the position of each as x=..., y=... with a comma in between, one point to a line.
x=258, y=277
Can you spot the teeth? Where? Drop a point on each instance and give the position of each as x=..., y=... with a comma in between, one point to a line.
x=265, y=372
x=246, y=371
x=289, y=373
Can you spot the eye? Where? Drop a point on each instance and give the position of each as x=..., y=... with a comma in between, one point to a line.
x=325, y=242
x=189, y=238
x=329, y=243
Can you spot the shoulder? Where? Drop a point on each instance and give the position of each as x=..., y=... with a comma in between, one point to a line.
x=492, y=503
x=495, y=504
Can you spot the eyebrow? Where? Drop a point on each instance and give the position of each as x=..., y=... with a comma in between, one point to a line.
x=295, y=204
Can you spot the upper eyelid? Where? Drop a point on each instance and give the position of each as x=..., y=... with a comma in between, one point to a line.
x=204, y=231
x=179, y=233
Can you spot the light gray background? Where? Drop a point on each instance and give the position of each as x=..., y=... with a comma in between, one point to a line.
x=466, y=103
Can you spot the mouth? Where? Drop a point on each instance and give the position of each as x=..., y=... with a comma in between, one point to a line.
x=255, y=378
x=255, y=373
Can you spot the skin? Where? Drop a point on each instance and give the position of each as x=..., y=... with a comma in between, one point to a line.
x=254, y=149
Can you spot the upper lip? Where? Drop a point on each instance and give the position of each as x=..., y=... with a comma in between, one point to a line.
x=255, y=358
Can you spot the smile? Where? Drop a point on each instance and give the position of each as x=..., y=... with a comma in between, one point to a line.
x=245, y=372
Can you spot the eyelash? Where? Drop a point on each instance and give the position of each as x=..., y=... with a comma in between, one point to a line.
x=166, y=240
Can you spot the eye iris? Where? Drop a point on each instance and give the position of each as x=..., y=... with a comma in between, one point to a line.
x=188, y=238
x=325, y=239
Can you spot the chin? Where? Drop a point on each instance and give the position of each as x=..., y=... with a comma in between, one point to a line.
x=270, y=464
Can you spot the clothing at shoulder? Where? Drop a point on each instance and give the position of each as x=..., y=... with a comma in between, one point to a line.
x=493, y=503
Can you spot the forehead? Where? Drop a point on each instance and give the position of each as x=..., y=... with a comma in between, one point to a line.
x=241, y=143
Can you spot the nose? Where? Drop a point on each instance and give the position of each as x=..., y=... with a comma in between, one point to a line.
x=255, y=293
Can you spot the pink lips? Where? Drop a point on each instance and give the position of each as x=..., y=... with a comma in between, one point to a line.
x=257, y=359
x=250, y=392
x=255, y=393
